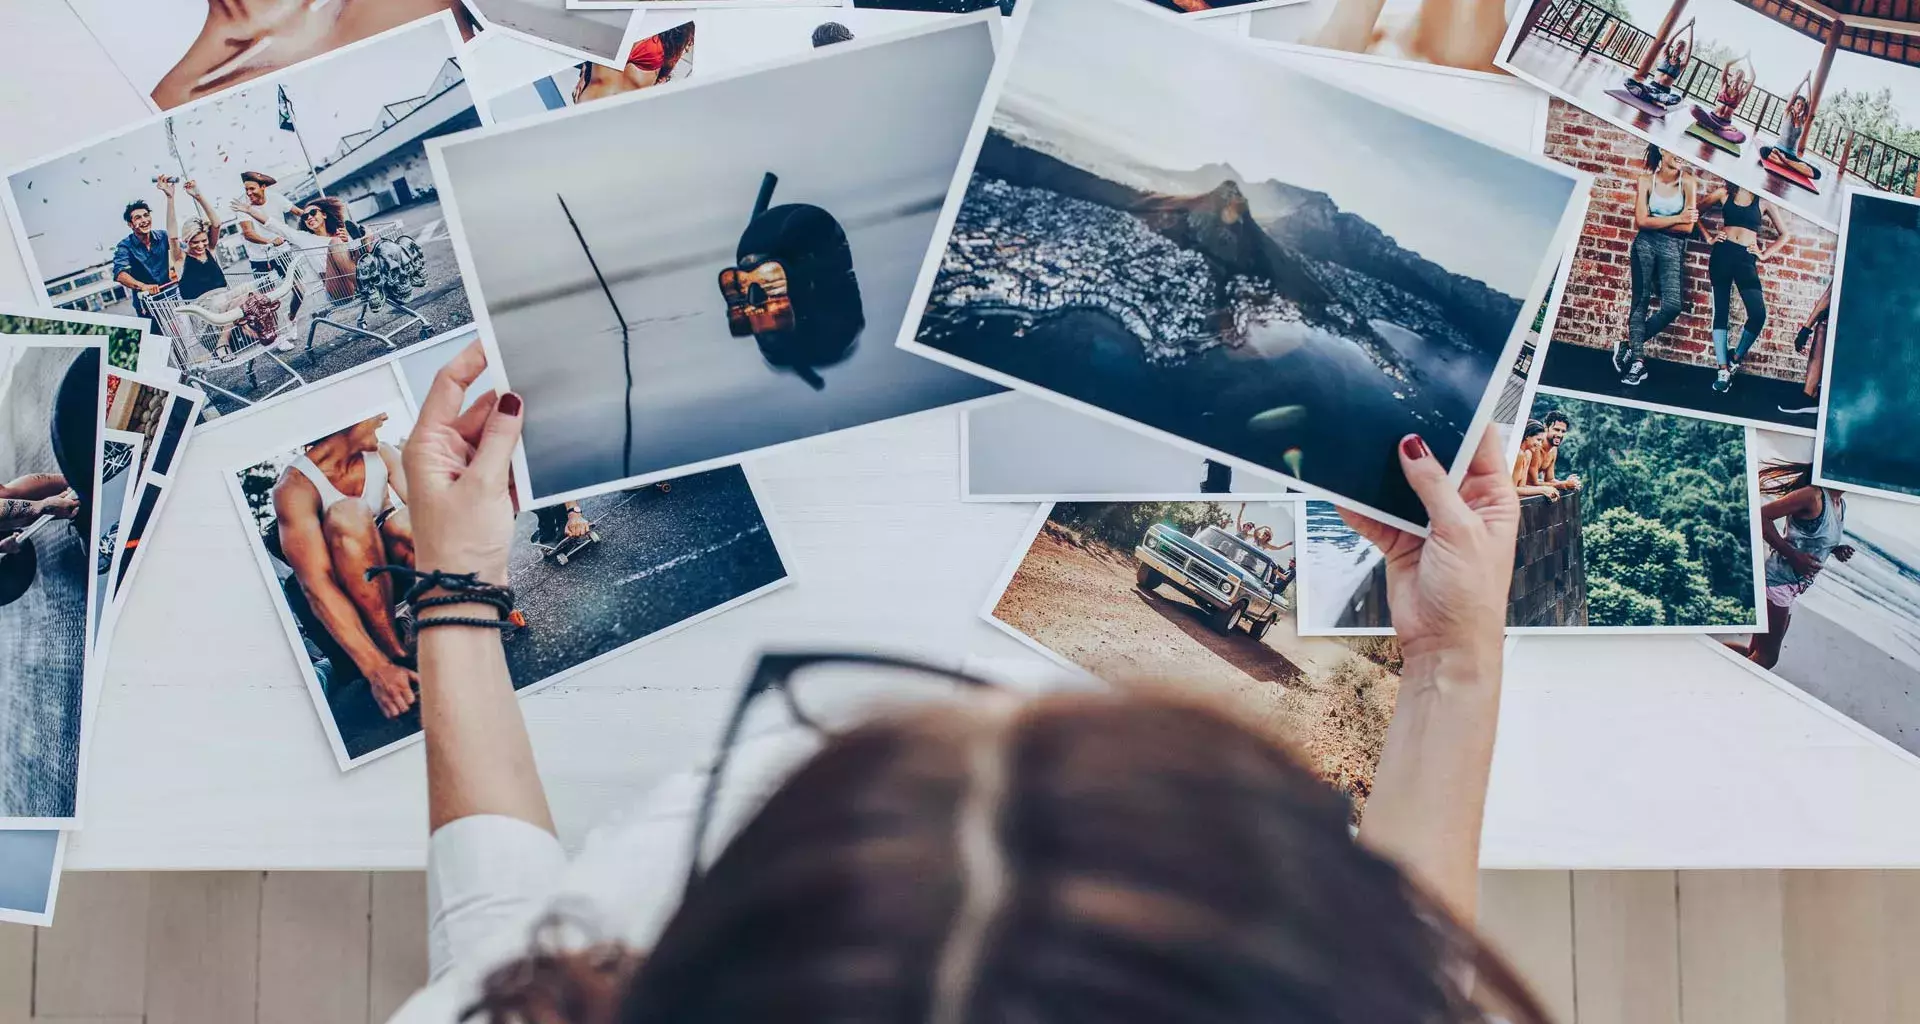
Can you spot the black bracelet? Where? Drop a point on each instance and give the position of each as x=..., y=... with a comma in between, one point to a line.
x=461, y=588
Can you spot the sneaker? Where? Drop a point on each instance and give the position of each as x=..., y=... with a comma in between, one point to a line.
x=1723, y=381
x=1635, y=375
x=285, y=346
x=1619, y=357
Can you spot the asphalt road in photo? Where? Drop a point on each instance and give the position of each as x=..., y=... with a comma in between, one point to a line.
x=443, y=302
x=664, y=556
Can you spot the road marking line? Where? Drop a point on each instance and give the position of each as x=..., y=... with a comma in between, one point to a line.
x=691, y=555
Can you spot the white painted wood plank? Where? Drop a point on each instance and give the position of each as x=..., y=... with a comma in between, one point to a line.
x=16, y=973
x=1733, y=961
x=1841, y=967
x=313, y=946
x=203, y=948
x=93, y=961
x=1900, y=900
x=1626, y=947
x=398, y=941
x=1528, y=917
x=89, y=1020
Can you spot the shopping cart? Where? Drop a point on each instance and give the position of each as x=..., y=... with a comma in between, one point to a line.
x=343, y=284
x=232, y=329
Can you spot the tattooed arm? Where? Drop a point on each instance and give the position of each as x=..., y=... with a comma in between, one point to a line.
x=19, y=513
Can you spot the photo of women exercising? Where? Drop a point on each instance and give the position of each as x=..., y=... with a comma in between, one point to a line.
x=1815, y=520
x=1734, y=264
x=1665, y=214
x=1813, y=332
x=1786, y=150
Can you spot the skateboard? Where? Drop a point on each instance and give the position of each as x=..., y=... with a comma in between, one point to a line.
x=563, y=550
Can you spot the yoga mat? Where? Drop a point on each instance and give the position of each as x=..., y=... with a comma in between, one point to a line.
x=1639, y=104
x=1780, y=170
x=1711, y=139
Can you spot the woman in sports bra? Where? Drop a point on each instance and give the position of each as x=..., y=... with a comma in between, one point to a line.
x=1664, y=215
x=1734, y=264
x=1815, y=519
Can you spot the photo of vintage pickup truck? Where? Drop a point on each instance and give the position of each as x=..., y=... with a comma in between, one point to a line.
x=1233, y=580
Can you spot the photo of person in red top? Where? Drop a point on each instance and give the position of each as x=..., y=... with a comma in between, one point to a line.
x=652, y=61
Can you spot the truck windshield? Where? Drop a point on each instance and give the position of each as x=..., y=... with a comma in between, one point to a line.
x=1235, y=552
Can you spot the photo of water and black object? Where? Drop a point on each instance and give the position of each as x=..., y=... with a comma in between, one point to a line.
x=662, y=315
x=1298, y=297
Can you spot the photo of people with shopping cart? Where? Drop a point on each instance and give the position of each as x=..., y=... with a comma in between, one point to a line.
x=281, y=233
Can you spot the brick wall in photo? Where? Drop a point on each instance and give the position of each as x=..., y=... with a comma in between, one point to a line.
x=1594, y=312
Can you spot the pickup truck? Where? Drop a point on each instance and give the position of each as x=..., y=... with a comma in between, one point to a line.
x=1231, y=580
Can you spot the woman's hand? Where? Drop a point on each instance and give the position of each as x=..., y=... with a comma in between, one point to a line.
x=1843, y=552
x=1804, y=565
x=1448, y=592
x=458, y=469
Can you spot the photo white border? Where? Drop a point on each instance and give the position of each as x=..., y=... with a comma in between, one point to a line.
x=1571, y=220
x=297, y=646
x=55, y=313
x=1302, y=587
x=1833, y=337
x=44, y=918
x=449, y=204
x=30, y=260
x=160, y=481
x=92, y=666
x=1757, y=545
x=1005, y=580
x=966, y=475
x=1501, y=60
x=1810, y=700
x=1542, y=102
x=129, y=503
x=615, y=62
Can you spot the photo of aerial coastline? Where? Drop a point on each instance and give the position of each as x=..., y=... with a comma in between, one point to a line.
x=1280, y=270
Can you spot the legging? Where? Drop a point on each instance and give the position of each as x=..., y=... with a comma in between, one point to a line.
x=1657, y=262
x=1731, y=266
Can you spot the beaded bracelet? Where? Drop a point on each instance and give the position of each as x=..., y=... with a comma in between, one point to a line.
x=461, y=588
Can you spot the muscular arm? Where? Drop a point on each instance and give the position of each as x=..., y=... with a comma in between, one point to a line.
x=297, y=507
x=396, y=473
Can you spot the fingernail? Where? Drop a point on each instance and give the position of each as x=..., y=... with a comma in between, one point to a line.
x=1413, y=448
x=509, y=404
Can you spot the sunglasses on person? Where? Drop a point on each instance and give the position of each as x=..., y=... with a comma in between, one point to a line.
x=827, y=693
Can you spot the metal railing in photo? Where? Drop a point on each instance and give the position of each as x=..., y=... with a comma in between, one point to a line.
x=343, y=284
x=209, y=337
x=1589, y=29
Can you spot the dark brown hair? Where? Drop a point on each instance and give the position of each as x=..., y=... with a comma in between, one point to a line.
x=1092, y=857
x=332, y=211
x=1780, y=477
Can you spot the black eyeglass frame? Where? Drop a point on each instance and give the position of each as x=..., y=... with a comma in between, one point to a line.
x=772, y=672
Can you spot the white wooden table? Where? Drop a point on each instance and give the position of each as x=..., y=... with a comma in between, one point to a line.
x=207, y=754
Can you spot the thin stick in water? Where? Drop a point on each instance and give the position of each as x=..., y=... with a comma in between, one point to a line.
x=626, y=335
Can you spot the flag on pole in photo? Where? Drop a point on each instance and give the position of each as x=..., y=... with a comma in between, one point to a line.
x=286, y=110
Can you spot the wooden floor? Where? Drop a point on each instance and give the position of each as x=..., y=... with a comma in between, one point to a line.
x=1654, y=947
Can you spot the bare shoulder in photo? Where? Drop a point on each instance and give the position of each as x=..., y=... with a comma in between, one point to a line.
x=1464, y=36
x=280, y=233
x=1791, y=100
x=1870, y=413
x=1289, y=299
x=663, y=316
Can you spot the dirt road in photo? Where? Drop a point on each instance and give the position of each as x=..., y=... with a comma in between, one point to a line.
x=1080, y=600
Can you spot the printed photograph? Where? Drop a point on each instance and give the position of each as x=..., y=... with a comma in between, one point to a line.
x=666, y=316
x=178, y=51
x=1687, y=294
x=1085, y=459
x=1843, y=595
x=1202, y=594
x=1205, y=8
x=591, y=577
x=119, y=469
x=1342, y=585
x=281, y=233
x=51, y=392
x=666, y=56
x=735, y=39
x=153, y=486
x=125, y=335
x=1875, y=358
x=1633, y=519
x=939, y=6
x=29, y=874
x=1446, y=33
x=590, y=35
x=1295, y=307
x=1790, y=99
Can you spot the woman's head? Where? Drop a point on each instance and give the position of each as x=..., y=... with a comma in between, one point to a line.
x=1655, y=157
x=1797, y=108
x=325, y=216
x=1780, y=477
x=196, y=236
x=1071, y=858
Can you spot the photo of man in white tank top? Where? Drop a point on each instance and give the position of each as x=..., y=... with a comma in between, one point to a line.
x=340, y=508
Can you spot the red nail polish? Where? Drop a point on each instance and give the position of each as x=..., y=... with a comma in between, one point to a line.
x=1413, y=448
x=509, y=404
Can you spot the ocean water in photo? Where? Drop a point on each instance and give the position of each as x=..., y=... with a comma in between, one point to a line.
x=1340, y=562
